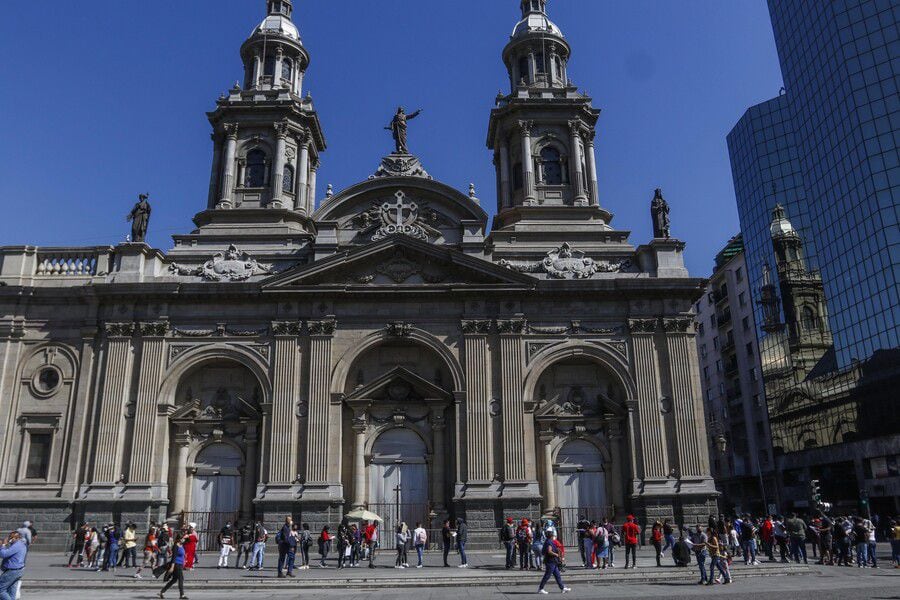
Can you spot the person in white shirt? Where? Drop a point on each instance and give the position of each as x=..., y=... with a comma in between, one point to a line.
x=420, y=539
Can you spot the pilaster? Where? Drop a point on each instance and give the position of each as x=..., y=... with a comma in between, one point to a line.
x=480, y=447
x=651, y=434
x=283, y=439
x=117, y=376
x=319, y=423
x=151, y=367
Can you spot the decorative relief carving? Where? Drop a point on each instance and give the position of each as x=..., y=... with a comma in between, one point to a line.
x=400, y=216
x=399, y=268
x=194, y=333
x=566, y=263
x=120, y=329
x=532, y=348
x=400, y=165
x=399, y=329
x=154, y=329
x=293, y=328
x=323, y=327
x=643, y=325
x=177, y=350
x=678, y=325
x=512, y=326
x=476, y=327
x=231, y=265
x=247, y=332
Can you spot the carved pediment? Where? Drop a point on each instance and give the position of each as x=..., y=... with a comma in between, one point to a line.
x=399, y=260
x=224, y=406
x=398, y=385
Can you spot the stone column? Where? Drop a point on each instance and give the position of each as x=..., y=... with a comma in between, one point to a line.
x=480, y=447
x=687, y=407
x=549, y=479
x=651, y=435
x=116, y=390
x=550, y=63
x=527, y=161
x=279, y=61
x=576, y=166
x=439, y=462
x=214, y=172
x=512, y=362
x=251, y=469
x=152, y=365
x=311, y=188
x=320, y=338
x=592, y=169
x=360, y=427
x=283, y=439
x=257, y=68
x=227, y=190
x=182, y=449
x=505, y=199
x=281, y=131
x=615, y=451
x=303, y=171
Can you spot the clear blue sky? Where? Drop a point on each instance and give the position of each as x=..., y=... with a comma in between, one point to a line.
x=103, y=99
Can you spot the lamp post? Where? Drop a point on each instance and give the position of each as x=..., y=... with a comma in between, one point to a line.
x=398, y=490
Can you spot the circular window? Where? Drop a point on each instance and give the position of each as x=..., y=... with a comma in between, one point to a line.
x=47, y=380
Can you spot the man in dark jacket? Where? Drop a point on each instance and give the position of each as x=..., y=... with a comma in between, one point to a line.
x=283, y=538
x=508, y=537
x=462, y=535
x=447, y=539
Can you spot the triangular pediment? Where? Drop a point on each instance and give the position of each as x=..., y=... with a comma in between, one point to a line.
x=399, y=261
x=384, y=386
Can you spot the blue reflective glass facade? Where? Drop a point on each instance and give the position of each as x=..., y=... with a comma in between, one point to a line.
x=827, y=149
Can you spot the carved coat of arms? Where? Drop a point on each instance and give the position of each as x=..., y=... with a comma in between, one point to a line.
x=231, y=265
x=400, y=216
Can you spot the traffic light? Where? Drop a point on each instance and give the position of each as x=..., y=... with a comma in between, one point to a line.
x=815, y=492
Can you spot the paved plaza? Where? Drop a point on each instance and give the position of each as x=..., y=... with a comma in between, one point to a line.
x=49, y=578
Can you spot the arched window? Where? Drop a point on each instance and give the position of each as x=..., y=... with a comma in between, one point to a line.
x=524, y=74
x=809, y=318
x=540, y=66
x=256, y=169
x=551, y=166
x=287, y=183
x=269, y=66
x=559, y=68
x=287, y=70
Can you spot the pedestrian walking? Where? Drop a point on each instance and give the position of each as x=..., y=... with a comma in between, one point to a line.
x=895, y=542
x=226, y=545
x=552, y=553
x=163, y=541
x=668, y=535
x=112, y=548
x=129, y=538
x=631, y=531
x=189, y=542
x=796, y=528
x=13, y=553
x=175, y=571
x=150, y=553
x=420, y=540
x=462, y=536
x=79, y=538
x=656, y=537
x=715, y=557
x=260, y=537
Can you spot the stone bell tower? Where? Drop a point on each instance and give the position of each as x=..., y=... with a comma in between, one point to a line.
x=266, y=145
x=542, y=134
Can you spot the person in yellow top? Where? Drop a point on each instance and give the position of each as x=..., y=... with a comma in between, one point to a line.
x=130, y=540
x=895, y=542
x=716, y=556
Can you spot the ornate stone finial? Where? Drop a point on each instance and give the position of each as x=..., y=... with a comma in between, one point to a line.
x=230, y=265
x=659, y=210
x=140, y=219
x=330, y=191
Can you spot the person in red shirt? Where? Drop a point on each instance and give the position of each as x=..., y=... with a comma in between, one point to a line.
x=631, y=532
x=370, y=535
x=190, y=547
x=768, y=538
x=656, y=536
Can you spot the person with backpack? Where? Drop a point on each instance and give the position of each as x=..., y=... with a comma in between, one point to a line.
x=552, y=553
x=656, y=537
x=305, y=543
x=508, y=537
x=631, y=531
x=797, y=537
x=420, y=539
x=283, y=539
x=523, y=544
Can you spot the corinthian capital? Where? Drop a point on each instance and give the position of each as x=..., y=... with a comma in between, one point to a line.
x=526, y=127
x=231, y=130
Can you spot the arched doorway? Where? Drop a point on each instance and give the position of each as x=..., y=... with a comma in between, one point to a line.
x=216, y=483
x=398, y=480
x=580, y=486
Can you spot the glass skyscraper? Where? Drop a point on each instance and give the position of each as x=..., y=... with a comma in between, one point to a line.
x=826, y=151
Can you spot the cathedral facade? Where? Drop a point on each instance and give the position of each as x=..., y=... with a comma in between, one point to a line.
x=382, y=347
